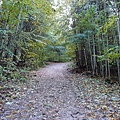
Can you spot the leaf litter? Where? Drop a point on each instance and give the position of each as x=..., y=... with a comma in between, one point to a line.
x=52, y=93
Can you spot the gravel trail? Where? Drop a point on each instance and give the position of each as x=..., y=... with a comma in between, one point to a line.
x=54, y=94
x=50, y=96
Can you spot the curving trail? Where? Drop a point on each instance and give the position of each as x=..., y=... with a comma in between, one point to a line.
x=49, y=96
x=57, y=93
x=54, y=94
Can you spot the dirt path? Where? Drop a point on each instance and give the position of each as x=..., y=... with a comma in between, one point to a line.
x=52, y=98
x=53, y=94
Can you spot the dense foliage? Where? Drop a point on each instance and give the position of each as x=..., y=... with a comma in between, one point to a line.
x=34, y=32
x=26, y=36
x=96, y=37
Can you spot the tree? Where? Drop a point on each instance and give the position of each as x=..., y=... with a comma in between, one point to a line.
x=93, y=26
x=19, y=21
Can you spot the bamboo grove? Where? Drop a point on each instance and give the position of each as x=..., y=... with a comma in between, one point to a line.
x=96, y=35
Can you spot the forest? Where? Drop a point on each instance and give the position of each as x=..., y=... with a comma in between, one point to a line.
x=86, y=32
x=59, y=59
